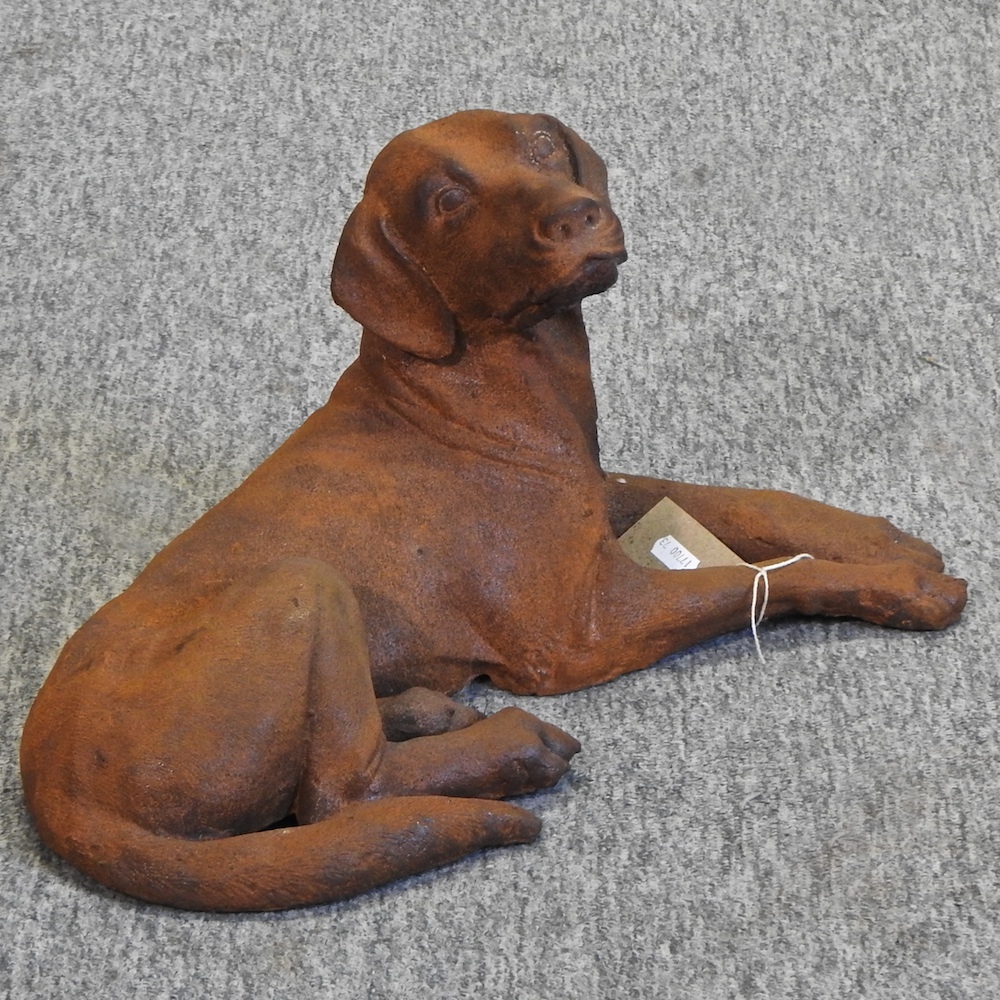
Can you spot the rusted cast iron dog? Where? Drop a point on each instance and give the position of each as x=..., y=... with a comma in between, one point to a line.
x=443, y=516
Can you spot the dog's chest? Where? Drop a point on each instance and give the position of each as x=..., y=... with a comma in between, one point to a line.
x=472, y=520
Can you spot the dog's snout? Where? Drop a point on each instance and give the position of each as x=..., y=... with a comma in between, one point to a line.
x=569, y=222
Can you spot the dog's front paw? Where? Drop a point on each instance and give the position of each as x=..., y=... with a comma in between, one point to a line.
x=909, y=597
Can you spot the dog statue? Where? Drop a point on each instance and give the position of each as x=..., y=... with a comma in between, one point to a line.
x=261, y=720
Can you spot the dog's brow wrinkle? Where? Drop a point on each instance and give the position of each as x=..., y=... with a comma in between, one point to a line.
x=458, y=173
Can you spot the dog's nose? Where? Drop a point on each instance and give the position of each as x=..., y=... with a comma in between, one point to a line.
x=571, y=221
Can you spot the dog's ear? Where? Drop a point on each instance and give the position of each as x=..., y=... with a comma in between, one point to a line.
x=588, y=168
x=375, y=280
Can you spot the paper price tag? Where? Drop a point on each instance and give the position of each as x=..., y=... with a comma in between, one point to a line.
x=673, y=555
x=669, y=538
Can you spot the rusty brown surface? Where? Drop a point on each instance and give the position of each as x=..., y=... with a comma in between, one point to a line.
x=443, y=516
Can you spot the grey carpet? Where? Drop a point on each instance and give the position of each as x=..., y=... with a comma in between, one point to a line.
x=810, y=192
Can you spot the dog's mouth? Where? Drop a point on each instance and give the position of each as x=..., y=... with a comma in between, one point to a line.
x=597, y=273
x=600, y=270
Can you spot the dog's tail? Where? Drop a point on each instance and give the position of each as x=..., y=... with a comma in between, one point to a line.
x=364, y=845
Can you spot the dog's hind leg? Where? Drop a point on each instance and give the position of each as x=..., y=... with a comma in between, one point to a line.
x=259, y=705
x=509, y=753
x=418, y=711
x=160, y=781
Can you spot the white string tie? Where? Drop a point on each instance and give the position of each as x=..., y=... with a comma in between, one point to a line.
x=756, y=617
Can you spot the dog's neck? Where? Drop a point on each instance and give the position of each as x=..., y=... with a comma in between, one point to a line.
x=521, y=397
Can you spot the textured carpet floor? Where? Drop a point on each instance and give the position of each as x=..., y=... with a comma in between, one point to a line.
x=810, y=192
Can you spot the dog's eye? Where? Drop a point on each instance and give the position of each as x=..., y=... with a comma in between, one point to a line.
x=542, y=146
x=452, y=198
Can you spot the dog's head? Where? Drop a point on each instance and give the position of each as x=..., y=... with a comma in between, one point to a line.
x=477, y=217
